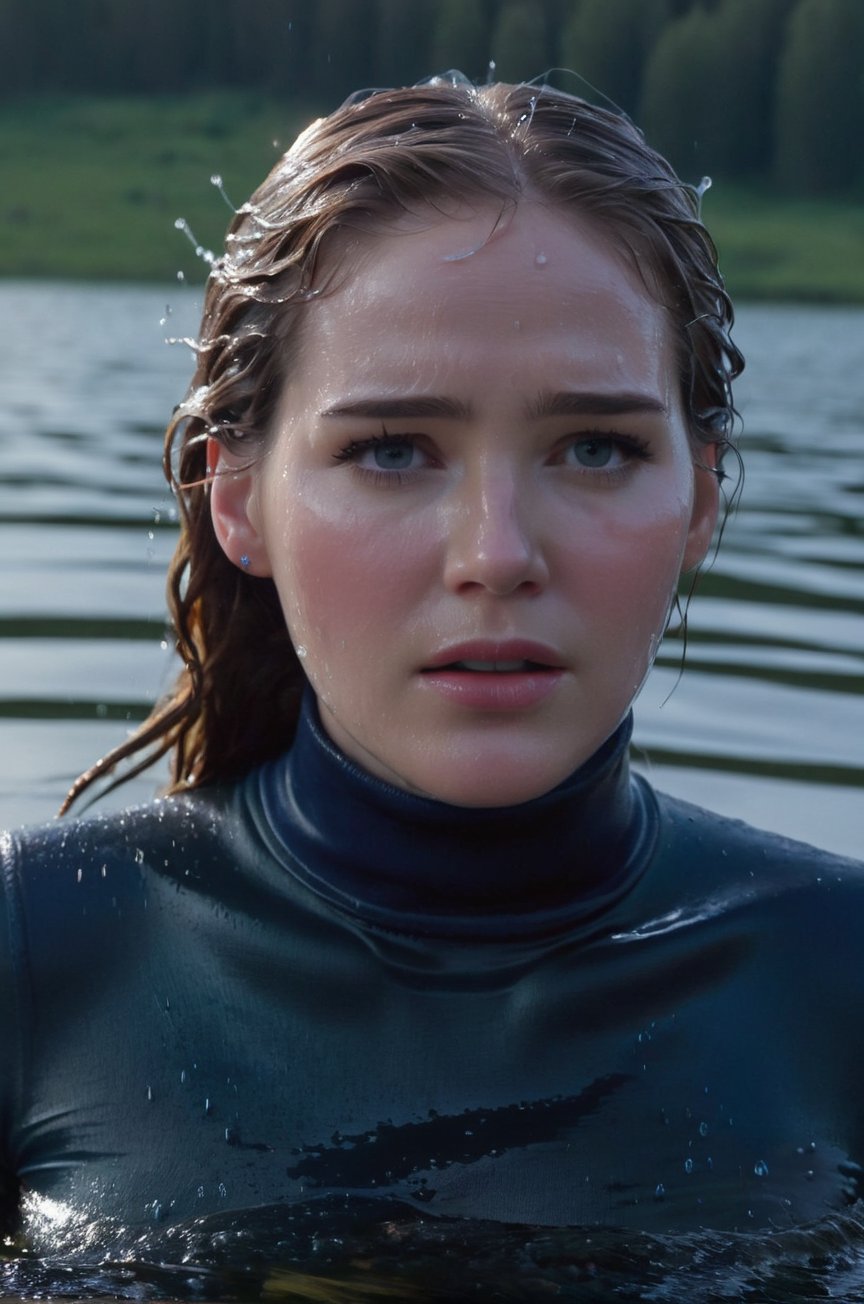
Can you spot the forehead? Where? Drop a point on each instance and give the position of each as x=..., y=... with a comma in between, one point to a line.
x=485, y=288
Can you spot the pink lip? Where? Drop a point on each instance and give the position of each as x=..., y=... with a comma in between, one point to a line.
x=495, y=690
x=512, y=649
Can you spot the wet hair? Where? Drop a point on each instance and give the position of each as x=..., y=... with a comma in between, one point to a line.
x=443, y=146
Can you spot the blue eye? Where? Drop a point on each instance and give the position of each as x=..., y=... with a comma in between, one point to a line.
x=393, y=455
x=595, y=453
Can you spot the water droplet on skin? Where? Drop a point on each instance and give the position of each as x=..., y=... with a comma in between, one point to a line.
x=541, y=260
x=760, y=1168
x=301, y=651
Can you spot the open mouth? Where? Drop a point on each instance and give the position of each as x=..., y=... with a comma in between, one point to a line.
x=498, y=667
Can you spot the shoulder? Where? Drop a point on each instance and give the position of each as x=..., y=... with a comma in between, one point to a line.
x=73, y=873
x=712, y=839
x=703, y=856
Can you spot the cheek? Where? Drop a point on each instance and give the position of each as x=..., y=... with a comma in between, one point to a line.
x=347, y=584
x=628, y=568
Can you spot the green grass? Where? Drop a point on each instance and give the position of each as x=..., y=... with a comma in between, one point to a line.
x=805, y=250
x=91, y=189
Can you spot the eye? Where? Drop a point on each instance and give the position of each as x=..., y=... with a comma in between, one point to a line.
x=389, y=455
x=596, y=452
x=599, y=452
x=383, y=454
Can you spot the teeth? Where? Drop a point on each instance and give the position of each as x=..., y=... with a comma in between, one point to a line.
x=499, y=666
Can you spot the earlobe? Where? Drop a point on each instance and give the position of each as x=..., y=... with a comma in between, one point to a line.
x=706, y=506
x=234, y=510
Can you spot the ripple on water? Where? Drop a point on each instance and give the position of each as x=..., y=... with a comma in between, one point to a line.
x=343, y=1250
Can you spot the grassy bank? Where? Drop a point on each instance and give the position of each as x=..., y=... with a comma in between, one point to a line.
x=92, y=188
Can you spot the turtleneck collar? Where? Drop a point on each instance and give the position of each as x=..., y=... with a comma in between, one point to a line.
x=414, y=865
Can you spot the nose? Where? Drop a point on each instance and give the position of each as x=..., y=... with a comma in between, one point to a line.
x=494, y=542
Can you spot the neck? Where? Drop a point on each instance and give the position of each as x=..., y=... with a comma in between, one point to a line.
x=417, y=865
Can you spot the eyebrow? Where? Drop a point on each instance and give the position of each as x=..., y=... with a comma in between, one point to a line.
x=565, y=403
x=421, y=406
x=578, y=403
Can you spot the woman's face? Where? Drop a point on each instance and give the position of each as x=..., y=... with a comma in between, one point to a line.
x=477, y=499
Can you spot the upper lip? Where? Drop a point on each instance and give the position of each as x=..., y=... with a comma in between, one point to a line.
x=514, y=649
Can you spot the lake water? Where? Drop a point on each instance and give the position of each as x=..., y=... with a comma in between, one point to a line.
x=767, y=722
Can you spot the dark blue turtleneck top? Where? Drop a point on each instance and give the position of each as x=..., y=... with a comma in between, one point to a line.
x=600, y=1007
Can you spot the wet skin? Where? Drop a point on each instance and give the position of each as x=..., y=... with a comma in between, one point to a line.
x=480, y=456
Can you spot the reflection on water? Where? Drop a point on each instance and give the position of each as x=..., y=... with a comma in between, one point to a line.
x=766, y=723
x=348, y=1251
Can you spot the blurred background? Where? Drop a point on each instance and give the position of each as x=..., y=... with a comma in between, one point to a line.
x=124, y=130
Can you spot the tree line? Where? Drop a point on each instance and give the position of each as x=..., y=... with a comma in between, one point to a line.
x=746, y=89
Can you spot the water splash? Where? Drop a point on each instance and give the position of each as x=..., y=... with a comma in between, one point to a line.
x=345, y=1249
x=206, y=255
x=216, y=181
x=700, y=192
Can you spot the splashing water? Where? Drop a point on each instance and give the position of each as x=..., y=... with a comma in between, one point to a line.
x=700, y=191
x=349, y=1250
x=216, y=181
x=206, y=255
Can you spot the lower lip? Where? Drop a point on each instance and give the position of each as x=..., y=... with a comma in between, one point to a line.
x=478, y=690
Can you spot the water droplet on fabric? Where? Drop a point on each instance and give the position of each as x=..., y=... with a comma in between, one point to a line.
x=659, y=1191
x=760, y=1168
x=703, y=1129
x=688, y=1166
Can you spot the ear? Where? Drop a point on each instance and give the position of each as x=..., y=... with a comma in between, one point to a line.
x=234, y=509
x=706, y=505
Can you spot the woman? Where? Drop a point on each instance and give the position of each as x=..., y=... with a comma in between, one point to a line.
x=406, y=926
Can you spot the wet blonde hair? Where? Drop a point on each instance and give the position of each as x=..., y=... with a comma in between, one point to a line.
x=381, y=155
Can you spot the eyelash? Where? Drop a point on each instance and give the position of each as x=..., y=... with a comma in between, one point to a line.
x=353, y=451
x=634, y=449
